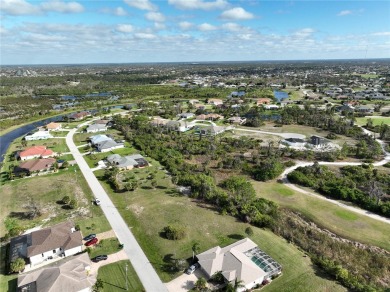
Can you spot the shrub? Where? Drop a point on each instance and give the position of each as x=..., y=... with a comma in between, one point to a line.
x=65, y=200
x=17, y=265
x=174, y=232
x=249, y=231
x=73, y=204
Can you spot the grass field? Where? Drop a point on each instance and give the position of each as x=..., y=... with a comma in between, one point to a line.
x=114, y=275
x=330, y=216
x=47, y=191
x=105, y=246
x=375, y=120
x=147, y=211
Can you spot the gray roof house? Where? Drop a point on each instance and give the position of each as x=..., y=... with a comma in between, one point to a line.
x=98, y=139
x=127, y=162
x=72, y=275
x=96, y=128
x=108, y=145
x=242, y=260
x=318, y=141
x=46, y=244
x=212, y=130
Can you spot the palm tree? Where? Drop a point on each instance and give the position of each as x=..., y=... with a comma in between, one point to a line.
x=195, y=249
x=200, y=284
x=233, y=287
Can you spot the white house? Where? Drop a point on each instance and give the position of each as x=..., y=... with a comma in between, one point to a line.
x=271, y=106
x=40, y=246
x=40, y=135
x=242, y=260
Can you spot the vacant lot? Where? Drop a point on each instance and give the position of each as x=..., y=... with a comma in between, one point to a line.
x=147, y=211
x=334, y=218
x=46, y=192
x=375, y=120
x=114, y=277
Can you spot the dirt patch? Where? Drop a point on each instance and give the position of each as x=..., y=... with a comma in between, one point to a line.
x=137, y=209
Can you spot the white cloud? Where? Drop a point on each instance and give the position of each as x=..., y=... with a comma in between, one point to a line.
x=382, y=33
x=159, y=26
x=198, y=4
x=62, y=7
x=142, y=4
x=19, y=7
x=344, y=12
x=147, y=36
x=237, y=13
x=206, y=27
x=304, y=33
x=155, y=16
x=231, y=26
x=126, y=28
x=119, y=11
x=185, y=25
x=22, y=7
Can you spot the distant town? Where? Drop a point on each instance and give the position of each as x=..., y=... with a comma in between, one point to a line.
x=228, y=176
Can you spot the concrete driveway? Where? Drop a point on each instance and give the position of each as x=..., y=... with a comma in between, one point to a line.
x=112, y=258
x=184, y=282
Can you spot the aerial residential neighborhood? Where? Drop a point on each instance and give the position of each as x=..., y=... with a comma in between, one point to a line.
x=194, y=146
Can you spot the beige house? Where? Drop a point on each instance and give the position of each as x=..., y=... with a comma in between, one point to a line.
x=70, y=275
x=242, y=260
x=53, y=126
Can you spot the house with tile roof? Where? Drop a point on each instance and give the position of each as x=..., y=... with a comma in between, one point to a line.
x=72, y=275
x=242, y=260
x=43, y=245
x=264, y=100
x=35, y=152
x=53, y=126
x=36, y=165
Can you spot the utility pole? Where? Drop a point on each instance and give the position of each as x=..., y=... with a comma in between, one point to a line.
x=127, y=286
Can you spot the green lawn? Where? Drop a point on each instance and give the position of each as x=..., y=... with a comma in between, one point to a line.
x=375, y=120
x=147, y=211
x=114, y=275
x=105, y=246
x=330, y=216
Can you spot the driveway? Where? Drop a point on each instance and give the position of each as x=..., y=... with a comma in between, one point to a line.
x=184, y=282
x=112, y=258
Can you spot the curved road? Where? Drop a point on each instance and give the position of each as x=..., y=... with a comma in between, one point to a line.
x=145, y=271
x=385, y=160
x=301, y=163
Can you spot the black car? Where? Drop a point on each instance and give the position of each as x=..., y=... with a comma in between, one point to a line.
x=99, y=258
x=89, y=237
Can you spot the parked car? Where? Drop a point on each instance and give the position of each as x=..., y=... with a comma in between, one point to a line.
x=192, y=268
x=91, y=242
x=99, y=258
x=89, y=237
x=97, y=202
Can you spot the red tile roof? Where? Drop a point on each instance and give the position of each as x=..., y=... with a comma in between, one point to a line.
x=35, y=151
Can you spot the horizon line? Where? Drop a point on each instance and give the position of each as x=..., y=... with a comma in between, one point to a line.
x=199, y=62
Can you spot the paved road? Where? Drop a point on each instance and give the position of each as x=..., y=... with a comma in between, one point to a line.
x=385, y=160
x=138, y=259
x=283, y=135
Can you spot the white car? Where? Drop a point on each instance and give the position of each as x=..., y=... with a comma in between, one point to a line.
x=97, y=202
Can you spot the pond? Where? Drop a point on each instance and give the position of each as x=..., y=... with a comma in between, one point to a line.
x=280, y=95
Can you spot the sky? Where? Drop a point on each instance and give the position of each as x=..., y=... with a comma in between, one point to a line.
x=137, y=31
